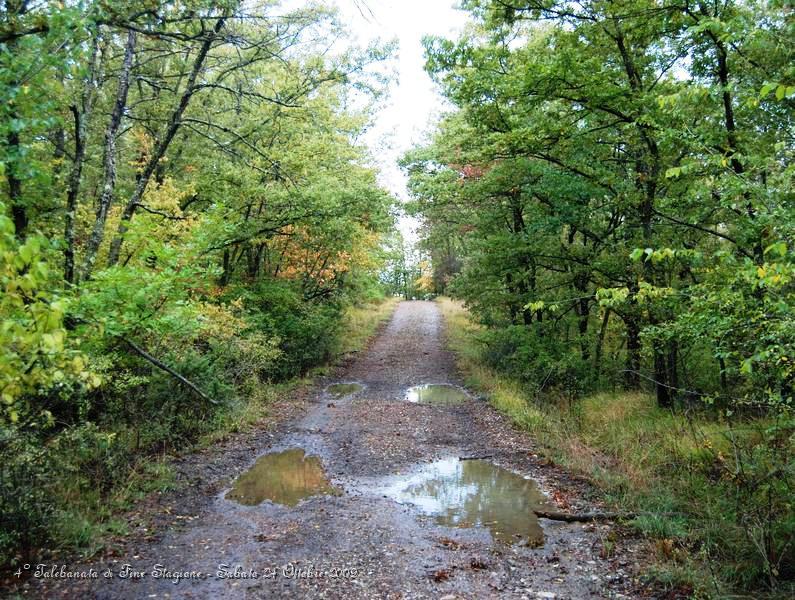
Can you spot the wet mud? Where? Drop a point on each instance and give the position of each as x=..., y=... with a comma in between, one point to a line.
x=340, y=390
x=476, y=493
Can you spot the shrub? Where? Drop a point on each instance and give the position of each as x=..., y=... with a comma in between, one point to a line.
x=26, y=501
x=540, y=362
x=306, y=330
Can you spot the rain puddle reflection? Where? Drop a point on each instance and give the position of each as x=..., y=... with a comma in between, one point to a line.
x=282, y=477
x=434, y=393
x=476, y=493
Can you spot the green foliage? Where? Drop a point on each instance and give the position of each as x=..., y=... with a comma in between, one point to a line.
x=306, y=331
x=712, y=495
x=35, y=356
x=541, y=364
x=26, y=508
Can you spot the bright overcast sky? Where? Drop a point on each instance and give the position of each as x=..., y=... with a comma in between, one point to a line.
x=413, y=102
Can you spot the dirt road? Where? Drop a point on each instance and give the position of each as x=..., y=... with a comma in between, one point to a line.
x=360, y=543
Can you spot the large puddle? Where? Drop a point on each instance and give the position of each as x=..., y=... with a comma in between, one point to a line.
x=340, y=390
x=436, y=393
x=282, y=477
x=476, y=493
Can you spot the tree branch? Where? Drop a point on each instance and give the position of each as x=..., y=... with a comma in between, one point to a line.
x=164, y=367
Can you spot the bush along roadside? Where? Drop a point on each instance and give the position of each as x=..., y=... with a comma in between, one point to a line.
x=712, y=495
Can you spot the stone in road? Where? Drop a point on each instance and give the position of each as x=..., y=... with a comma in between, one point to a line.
x=361, y=544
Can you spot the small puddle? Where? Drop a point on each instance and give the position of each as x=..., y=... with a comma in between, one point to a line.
x=436, y=393
x=476, y=493
x=282, y=477
x=340, y=390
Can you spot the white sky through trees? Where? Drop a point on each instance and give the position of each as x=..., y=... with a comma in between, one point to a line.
x=412, y=101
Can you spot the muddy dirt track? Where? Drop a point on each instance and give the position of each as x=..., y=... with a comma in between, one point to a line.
x=359, y=544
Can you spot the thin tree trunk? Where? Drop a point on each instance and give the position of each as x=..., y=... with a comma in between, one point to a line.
x=600, y=340
x=80, y=118
x=525, y=266
x=555, y=515
x=647, y=173
x=162, y=146
x=582, y=308
x=109, y=160
x=673, y=363
x=632, y=374
x=730, y=125
x=18, y=210
x=59, y=141
x=724, y=383
x=583, y=316
x=664, y=397
x=226, y=272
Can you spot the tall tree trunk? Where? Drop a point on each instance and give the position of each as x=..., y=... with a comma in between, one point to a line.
x=226, y=272
x=19, y=212
x=526, y=266
x=724, y=383
x=664, y=396
x=600, y=340
x=647, y=173
x=81, y=115
x=80, y=118
x=673, y=364
x=162, y=146
x=729, y=122
x=59, y=141
x=632, y=372
x=583, y=310
x=731, y=138
x=109, y=159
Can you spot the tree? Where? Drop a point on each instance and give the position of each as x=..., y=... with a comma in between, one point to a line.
x=589, y=122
